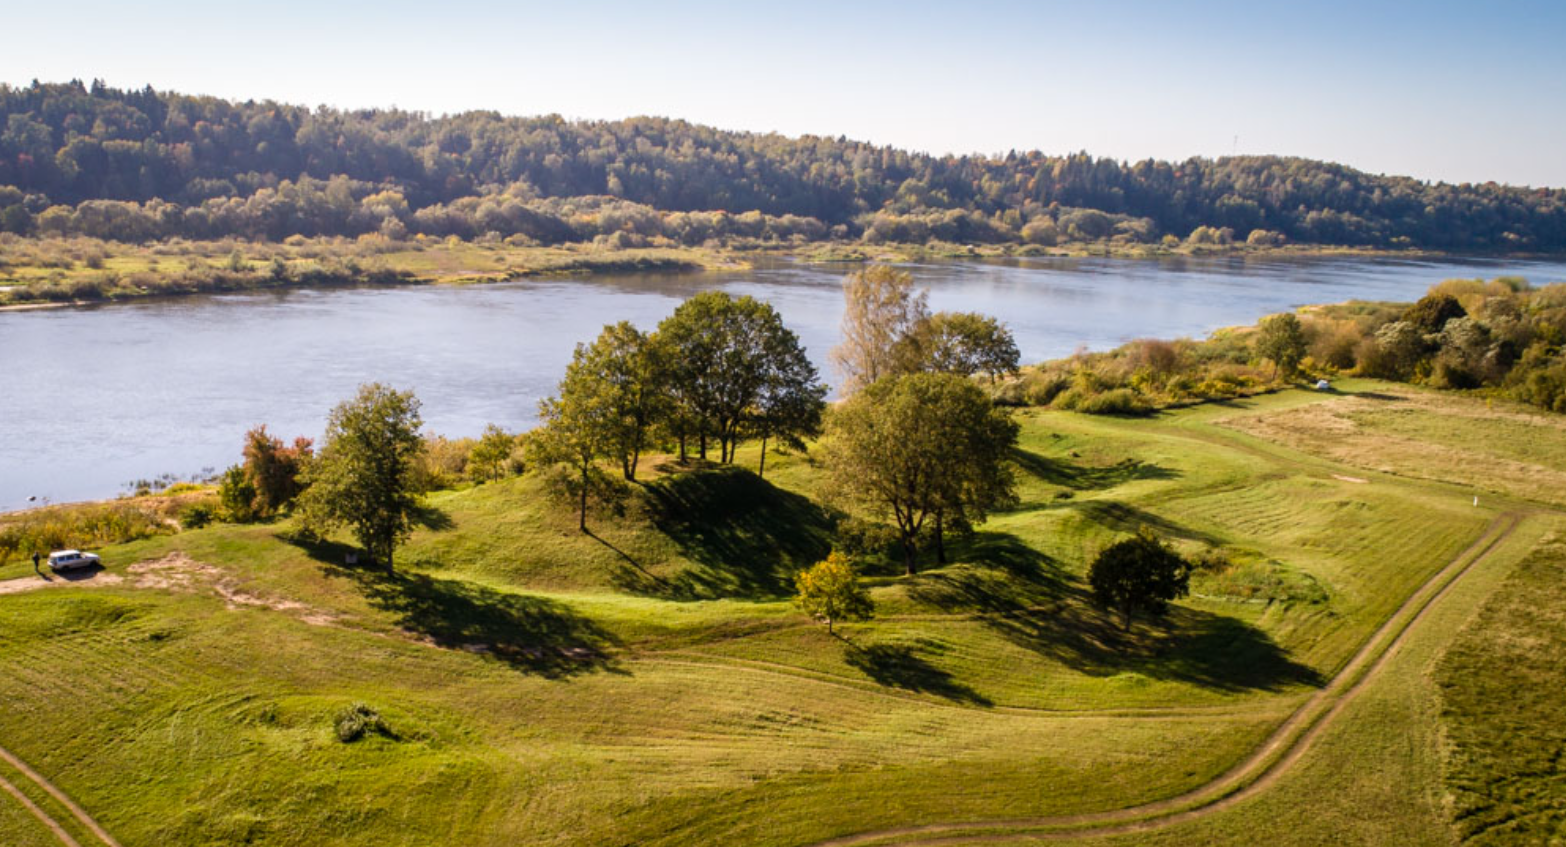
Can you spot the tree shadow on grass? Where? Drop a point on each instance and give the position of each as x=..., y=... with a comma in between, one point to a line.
x=1123, y=517
x=1189, y=645
x=1028, y=599
x=1079, y=476
x=432, y=518
x=902, y=666
x=999, y=574
x=533, y=634
x=744, y=536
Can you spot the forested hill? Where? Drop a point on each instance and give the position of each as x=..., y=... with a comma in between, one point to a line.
x=204, y=167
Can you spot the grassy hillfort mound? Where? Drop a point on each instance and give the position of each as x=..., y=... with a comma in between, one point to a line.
x=650, y=682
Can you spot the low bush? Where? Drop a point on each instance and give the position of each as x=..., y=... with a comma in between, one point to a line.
x=358, y=721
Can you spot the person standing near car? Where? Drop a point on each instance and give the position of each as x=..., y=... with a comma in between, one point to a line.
x=36, y=558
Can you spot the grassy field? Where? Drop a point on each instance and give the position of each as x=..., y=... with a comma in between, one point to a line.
x=1501, y=709
x=651, y=684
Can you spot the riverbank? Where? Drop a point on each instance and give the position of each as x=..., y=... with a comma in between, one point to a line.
x=62, y=272
x=44, y=273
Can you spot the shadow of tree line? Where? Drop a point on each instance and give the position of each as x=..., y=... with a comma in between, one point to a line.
x=1081, y=476
x=535, y=635
x=742, y=536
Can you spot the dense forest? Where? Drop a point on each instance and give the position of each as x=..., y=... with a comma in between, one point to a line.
x=141, y=165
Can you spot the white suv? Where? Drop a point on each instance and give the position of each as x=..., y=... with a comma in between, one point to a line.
x=61, y=560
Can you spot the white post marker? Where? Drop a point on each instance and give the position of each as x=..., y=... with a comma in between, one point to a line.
x=1476, y=499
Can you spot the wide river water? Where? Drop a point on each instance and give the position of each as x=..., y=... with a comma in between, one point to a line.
x=93, y=397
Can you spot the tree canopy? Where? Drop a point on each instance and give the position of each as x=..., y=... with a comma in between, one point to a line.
x=918, y=447
x=881, y=308
x=829, y=591
x=735, y=369
x=1282, y=341
x=1138, y=574
x=139, y=164
x=365, y=474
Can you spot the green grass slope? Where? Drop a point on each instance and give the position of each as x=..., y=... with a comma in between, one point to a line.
x=651, y=683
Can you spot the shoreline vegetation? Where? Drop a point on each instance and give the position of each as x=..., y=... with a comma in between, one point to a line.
x=38, y=273
x=1499, y=340
x=109, y=194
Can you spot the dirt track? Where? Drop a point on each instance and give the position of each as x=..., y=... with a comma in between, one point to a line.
x=60, y=796
x=1256, y=773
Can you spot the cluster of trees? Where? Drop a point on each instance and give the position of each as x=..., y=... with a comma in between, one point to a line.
x=369, y=474
x=69, y=143
x=1502, y=336
x=342, y=207
x=917, y=440
x=718, y=371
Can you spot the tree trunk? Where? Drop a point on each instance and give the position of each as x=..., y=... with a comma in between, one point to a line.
x=701, y=446
x=581, y=521
x=829, y=626
x=1125, y=618
x=636, y=459
x=684, y=457
x=908, y=556
x=762, y=469
x=940, y=539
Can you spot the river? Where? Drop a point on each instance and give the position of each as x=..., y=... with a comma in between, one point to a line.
x=93, y=397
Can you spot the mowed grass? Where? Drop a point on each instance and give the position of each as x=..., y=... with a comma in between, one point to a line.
x=652, y=683
x=1501, y=709
x=1494, y=447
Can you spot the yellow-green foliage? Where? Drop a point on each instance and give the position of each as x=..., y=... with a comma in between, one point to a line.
x=830, y=591
x=81, y=526
x=1142, y=376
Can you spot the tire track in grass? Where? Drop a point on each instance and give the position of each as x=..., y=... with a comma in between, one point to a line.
x=43, y=817
x=1253, y=775
x=64, y=799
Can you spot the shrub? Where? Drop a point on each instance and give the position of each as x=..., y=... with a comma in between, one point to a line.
x=197, y=515
x=1118, y=401
x=359, y=720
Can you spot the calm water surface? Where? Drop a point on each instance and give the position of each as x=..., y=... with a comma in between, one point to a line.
x=91, y=398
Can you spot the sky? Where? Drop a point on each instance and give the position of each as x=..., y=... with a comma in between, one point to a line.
x=1461, y=92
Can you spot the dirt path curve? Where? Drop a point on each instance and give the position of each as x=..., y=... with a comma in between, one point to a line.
x=40, y=814
x=64, y=799
x=1257, y=772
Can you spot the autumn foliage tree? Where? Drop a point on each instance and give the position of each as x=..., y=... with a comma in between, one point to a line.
x=274, y=469
x=829, y=591
x=881, y=308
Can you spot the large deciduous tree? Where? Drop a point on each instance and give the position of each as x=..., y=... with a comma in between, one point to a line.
x=882, y=306
x=1282, y=341
x=365, y=475
x=920, y=446
x=1138, y=574
x=962, y=343
x=735, y=369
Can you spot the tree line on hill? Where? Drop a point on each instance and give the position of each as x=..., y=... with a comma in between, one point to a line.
x=144, y=164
